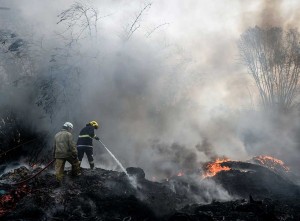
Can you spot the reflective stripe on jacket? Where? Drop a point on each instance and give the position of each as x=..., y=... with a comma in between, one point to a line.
x=64, y=145
x=86, y=136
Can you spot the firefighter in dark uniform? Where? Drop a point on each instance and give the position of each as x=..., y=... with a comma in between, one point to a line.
x=85, y=142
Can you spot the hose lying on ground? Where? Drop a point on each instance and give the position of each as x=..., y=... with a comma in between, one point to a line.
x=26, y=180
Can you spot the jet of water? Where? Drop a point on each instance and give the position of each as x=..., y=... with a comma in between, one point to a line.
x=118, y=162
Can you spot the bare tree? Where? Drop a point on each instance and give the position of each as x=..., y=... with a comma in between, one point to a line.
x=60, y=84
x=79, y=18
x=272, y=57
x=131, y=28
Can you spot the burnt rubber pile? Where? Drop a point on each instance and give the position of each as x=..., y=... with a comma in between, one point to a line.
x=96, y=195
x=109, y=195
x=246, y=178
x=247, y=210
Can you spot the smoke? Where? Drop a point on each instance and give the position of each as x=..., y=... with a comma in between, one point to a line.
x=271, y=13
x=199, y=190
x=167, y=101
x=268, y=13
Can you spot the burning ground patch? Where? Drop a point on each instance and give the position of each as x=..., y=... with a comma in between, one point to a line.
x=247, y=191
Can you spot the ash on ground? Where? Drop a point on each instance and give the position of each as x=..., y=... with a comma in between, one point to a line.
x=110, y=195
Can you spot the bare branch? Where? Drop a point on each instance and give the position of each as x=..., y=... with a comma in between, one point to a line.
x=157, y=27
x=78, y=19
x=134, y=26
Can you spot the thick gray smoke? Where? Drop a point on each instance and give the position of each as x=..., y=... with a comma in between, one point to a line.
x=162, y=78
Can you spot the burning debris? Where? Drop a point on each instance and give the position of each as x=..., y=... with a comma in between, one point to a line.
x=10, y=195
x=278, y=166
x=212, y=168
x=8, y=201
x=271, y=163
x=227, y=180
x=108, y=195
x=97, y=194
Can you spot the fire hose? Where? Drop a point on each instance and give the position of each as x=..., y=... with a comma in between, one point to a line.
x=26, y=180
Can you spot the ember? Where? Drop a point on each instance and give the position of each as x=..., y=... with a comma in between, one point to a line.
x=212, y=168
x=101, y=194
x=180, y=174
x=33, y=165
x=8, y=201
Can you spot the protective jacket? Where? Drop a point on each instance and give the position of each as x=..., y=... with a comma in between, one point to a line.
x=86, y=136
x=64, y=146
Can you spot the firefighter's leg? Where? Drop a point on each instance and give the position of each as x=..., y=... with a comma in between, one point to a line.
x=59, y=169
x=76, y=171
x=89, y=154
x=80, y=151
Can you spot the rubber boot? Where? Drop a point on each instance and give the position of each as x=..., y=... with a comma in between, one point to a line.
x=92, y=165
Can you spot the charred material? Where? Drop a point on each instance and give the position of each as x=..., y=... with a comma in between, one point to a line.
x=266, y=209
x=138, y=173
x=96, y=195
x=109, y=195
x=246, y=178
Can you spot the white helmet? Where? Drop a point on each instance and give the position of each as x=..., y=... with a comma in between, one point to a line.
x=69, y=125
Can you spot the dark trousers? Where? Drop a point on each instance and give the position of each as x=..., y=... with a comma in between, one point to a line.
x=89, y=153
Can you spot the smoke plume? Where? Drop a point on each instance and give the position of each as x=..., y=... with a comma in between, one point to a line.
x=163, y=79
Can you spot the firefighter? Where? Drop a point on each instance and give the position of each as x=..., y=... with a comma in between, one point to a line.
x=65, y=150
x=85, y=142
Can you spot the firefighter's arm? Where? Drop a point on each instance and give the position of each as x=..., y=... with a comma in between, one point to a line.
x=91, y=132
x=93, y=135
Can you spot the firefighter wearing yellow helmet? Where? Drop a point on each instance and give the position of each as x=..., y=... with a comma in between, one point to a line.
x=85, y=142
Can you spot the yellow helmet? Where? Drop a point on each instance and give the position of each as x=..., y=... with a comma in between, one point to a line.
x=94, y=124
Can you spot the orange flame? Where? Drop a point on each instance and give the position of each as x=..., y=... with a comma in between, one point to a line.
x=212, y=168
x=271, y=162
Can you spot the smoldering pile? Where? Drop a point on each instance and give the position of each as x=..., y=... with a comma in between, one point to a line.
x=96, y=195
x=264, y=178
x=109, y=195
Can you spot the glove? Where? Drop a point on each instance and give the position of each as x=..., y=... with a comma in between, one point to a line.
x=96, y=138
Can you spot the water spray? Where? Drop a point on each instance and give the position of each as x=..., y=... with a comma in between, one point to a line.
x=113, y=156
x=132, y=180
